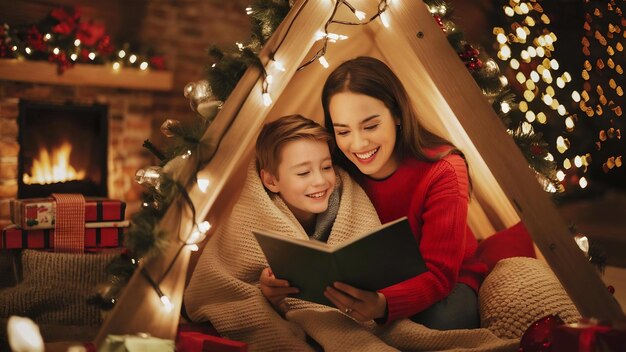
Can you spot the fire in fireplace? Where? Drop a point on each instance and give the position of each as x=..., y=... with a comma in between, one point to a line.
x=63, y=149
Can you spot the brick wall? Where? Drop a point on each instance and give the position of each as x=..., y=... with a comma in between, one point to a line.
x=183, y=31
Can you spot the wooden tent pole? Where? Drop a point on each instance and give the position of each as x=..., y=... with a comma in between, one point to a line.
x=429, y=44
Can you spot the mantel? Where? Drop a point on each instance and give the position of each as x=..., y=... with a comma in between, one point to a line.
x=85, y=75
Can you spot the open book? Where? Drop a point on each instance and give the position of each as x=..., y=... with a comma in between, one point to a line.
x=375, y=260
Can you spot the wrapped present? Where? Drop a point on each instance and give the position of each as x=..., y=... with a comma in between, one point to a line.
x=588, y=336
x=40, y=213
x=98, y=237
x=136, y=343
x=551, y=334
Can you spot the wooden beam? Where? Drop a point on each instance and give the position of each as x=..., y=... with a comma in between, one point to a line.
x=85, y=75
x=466, y=101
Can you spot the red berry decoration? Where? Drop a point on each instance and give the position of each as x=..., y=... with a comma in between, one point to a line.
x=611, y=289
x=538, y=336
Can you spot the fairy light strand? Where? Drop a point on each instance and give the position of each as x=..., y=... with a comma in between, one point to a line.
x=382, y=7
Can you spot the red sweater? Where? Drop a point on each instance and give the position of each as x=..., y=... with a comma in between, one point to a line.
x=434, y=196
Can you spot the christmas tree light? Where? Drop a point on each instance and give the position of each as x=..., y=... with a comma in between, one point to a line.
x=526, y=44
x=602, y=91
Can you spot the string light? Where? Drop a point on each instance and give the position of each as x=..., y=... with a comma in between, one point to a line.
x=505, y=107
x=384, y=18
x=121, y=54
x=323, y=61
x=267, y=99
x=167, y=304
x=583, y=243
x=199, y=233
x=77, y=42
x=203, y=184
x=165, y=300
x=359, y=14
x=278, y=66
x=186, y=154
x=143, y=66
x=132, y=58
x=92, y=55
x=331, y=37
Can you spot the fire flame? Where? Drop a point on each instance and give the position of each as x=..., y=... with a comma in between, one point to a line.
x=48, y=170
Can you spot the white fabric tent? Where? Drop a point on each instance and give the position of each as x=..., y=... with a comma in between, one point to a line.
x=448, y=101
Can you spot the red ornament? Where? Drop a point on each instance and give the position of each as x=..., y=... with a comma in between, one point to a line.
x=62, y=62
x=538, y=336
x=536, y=150
x=104, y=46
x=611, y=289
x=89, y=33
x=34, y=39
x=157, y=62
x=84, y=55
x=67, y=21
x=439, y=21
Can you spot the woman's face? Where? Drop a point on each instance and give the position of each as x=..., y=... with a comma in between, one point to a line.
x=365, y=132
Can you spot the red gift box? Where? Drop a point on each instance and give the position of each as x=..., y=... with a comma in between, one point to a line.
x=100, y=237
x=588, y=336
x=551, y=334
x=40, y=213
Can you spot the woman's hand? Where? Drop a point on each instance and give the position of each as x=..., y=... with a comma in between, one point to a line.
x=274, y=289
x=359, y=304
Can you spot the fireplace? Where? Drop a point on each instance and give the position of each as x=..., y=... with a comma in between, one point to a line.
x=63, y=149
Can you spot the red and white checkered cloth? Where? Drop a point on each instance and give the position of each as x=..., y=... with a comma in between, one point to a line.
x=69, y=226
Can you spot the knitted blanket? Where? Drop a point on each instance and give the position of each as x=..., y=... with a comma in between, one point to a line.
x=55, y=288
x=224, y=288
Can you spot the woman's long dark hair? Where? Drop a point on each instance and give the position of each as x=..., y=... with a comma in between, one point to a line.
x=372, y=77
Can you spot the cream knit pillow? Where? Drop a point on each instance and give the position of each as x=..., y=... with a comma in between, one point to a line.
x=518, y=292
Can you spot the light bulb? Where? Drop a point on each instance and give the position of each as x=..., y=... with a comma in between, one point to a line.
x=323, y=61
x=203, y=184
x=167, y=304
x=267, y=99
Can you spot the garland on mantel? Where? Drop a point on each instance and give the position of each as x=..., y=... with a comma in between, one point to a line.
x=145, y=239
x=64, y=39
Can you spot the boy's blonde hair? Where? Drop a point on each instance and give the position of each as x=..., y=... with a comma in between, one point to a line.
x=276, y=134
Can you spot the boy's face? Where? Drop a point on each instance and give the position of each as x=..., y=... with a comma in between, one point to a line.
x=306, y=177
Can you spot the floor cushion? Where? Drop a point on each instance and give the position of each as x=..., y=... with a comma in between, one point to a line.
x=518, y=292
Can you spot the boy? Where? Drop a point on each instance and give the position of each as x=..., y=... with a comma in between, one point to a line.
x=294, y=162
x=291, y=190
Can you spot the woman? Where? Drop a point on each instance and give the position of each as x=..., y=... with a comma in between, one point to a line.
x=406, y=170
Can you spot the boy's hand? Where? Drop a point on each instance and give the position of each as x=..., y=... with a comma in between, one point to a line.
x=274, y=289
x=359, y=304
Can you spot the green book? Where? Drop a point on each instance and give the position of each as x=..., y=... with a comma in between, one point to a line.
x=375, y=260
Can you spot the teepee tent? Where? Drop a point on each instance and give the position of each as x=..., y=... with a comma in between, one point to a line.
x=447, y=100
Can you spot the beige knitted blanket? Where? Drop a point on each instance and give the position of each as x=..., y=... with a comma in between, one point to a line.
x=224, y=286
